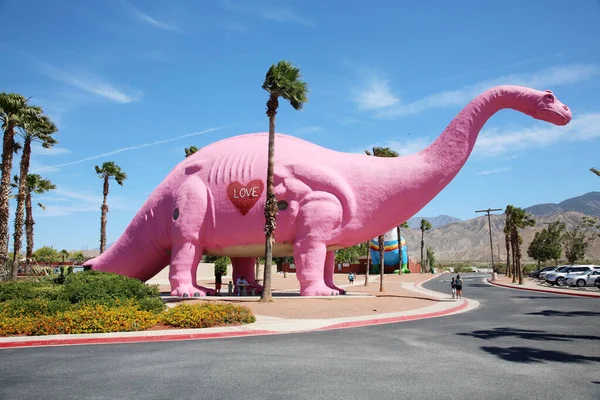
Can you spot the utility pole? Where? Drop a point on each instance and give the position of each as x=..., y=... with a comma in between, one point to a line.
x=488, y=211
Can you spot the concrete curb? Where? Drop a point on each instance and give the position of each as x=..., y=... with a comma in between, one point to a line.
x=239, y=331
x=504, y=285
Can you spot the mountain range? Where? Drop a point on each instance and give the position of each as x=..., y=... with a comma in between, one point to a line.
x=469, y=240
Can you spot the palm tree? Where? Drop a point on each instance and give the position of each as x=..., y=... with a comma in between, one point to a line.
x=282, y=80
x=595, y=170
x=399, y=234
x=520, y=219
x=38, y=129
x=190, y=150
x=381, y=152
x=35, y=185
x=368, y=263
x=64, y=254
x=109, y=170
x=425, y=226
x=14, y=110
x=507, y=241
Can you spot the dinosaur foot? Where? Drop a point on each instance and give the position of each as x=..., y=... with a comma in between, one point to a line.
x=192, y=291
x=340, y=290
x=318, y=289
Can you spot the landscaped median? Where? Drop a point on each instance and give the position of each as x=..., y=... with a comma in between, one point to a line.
x=97, y=302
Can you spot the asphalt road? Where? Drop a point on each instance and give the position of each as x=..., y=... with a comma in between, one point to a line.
x=516, y=345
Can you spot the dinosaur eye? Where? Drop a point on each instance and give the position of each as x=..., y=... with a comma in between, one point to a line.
x=549, y=97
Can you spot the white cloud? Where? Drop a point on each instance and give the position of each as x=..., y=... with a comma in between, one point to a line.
x=142, y=16
x=265, y=10
x=493, y=171
x=387, y=105
x=91, y=84
x=123, y=149
x=375, y=95
x=38, y=150
x=493, y=142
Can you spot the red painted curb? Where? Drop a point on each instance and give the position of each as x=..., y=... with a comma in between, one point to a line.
x=379, y=321
x=543, y=290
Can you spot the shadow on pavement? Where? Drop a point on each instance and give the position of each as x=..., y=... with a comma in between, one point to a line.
x=530, y=355
x=525, y=334
x=555, y=313
x=542, y=297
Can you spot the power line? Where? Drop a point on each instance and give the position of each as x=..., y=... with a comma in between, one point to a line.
x=488, y=211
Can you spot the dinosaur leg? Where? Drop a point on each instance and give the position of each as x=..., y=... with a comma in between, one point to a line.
x=319, y=216
x=244, y=266
x=329, y=270
x=187, y=218
x=182, y=273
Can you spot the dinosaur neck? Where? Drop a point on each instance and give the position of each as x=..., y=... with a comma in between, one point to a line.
x=413, y=181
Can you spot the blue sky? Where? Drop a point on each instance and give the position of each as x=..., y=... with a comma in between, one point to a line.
x=137, y=81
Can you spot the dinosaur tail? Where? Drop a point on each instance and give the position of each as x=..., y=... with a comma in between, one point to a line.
x=143, y=250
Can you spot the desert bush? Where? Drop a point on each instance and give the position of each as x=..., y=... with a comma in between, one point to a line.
x=462, y=269
x=32, y=307
x=206, y=315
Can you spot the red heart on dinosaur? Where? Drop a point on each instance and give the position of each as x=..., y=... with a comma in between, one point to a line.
x=245, y=197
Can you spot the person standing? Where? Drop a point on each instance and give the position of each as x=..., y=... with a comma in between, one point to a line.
x=351, y=278
x=459, y=285
x=453, y=286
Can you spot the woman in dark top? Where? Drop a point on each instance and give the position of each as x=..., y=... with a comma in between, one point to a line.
x=459, y=284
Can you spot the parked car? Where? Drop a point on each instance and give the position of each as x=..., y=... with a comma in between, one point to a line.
x=583, y=279
x=543, y=274
x=558, y=277
x=537, y=272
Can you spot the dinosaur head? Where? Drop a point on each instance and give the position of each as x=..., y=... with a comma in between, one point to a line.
x=549, y=109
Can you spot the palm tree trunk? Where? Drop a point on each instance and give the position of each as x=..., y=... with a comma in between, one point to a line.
x=29, y=222
x=520, y=272
x=507, y=242
x=513, y=245
x=104, y=209
x=422, y=246
x=271, y=203
x=22, y=193
x=368, y=263
x=381, y=261
x=7, y=156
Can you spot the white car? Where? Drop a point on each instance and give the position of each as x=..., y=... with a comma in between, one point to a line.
x=544, y=273
x=558, y=277
x=585, y=279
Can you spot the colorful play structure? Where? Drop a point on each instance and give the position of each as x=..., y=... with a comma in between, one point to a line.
x=393, y=253
x=213, y=201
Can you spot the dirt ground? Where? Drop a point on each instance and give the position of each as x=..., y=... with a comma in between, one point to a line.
x=394, y=298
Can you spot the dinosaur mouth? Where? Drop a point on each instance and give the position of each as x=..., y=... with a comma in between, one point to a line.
x=565, y=120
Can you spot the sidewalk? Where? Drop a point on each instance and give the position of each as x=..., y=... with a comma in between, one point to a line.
x=403, y=300
x=530, y=284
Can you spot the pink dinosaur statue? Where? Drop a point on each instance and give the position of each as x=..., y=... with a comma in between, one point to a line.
x=213, y=201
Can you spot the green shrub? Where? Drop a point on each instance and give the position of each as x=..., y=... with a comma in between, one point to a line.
x=206, y=315
x=96, y=286
x=24, y=290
